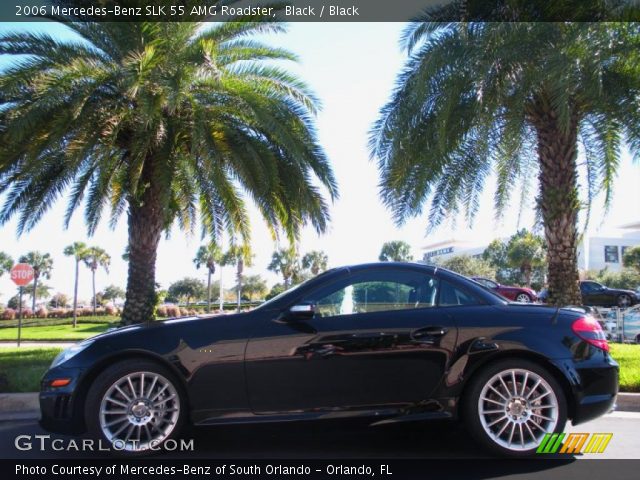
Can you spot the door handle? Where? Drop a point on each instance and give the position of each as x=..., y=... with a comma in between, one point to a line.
x=428, y=333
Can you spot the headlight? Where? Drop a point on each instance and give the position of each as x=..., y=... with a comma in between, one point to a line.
x=70, y=352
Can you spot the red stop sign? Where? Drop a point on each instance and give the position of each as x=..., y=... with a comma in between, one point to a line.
x=22, y=274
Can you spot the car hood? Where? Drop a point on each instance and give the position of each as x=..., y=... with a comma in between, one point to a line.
x=164, y=325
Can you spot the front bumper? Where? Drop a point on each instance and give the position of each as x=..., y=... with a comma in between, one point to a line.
x=61, y=408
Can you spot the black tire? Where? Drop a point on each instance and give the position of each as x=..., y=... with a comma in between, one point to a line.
x=471, y=409
x=624, y=300
x=523, y=298
x=109, y=377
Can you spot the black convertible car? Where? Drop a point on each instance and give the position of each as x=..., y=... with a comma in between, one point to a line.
x=389, y=341
x=597, y=295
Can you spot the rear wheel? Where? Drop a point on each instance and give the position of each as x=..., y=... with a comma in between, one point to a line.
x=512, y=404
x=523, y=297
x=624, y=300
x=135, y=406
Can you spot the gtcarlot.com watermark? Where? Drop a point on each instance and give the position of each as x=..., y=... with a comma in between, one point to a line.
x=46, y=443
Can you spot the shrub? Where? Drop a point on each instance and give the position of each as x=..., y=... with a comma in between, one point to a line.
x=161, y=311
x=41, y=312
x=193, y=312
x=101, y=312
x=9, y=314
x=85, y=312
x=184, y=312
x=110, y=310
x=27, y=313
x=173, y=311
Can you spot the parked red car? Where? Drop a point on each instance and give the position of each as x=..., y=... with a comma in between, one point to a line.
x=518, y=294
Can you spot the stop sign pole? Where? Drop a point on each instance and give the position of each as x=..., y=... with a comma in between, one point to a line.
x=21, y=274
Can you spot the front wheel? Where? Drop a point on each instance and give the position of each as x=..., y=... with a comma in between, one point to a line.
x=523, y=297
x=134, y=407
x=512, y=404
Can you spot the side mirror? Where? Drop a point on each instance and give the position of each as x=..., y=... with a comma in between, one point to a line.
x=301, y=312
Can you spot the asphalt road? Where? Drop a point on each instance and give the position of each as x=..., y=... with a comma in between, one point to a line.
x=335, y=439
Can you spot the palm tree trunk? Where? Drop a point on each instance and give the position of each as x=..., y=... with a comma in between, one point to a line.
x=209, y=291
x=146, y=221
x=75, y=295
x=559, y=203
x=93, y=282
x=35, y=293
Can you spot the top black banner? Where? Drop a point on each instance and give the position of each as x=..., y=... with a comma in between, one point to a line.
x=320, y=10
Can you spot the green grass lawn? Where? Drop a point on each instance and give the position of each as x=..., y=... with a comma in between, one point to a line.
x=22, y=368
x=628, y=356
x=29, y=322
x=55, y=332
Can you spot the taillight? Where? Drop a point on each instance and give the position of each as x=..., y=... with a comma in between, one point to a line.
x=589, y=330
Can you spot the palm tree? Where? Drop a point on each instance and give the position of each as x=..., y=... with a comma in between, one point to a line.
x=316, y=261
x=96, y=257
x=285, y=261
x=395, y=251
x=42, y=264
x=166, y=122
x=526, y=252
x=511, y=101
x=6, y=262
x=238, y=255
x=208, y=255
x=77, y=250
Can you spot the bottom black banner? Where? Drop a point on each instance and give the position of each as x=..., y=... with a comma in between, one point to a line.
x=391, y=469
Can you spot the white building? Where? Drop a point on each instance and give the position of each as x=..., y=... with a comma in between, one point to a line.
x=595, y=252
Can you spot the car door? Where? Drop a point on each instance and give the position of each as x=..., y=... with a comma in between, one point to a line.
x=377, y=339
x=588, y=290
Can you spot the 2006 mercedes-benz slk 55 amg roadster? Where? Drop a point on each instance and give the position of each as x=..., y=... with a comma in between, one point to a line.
x=392, y=341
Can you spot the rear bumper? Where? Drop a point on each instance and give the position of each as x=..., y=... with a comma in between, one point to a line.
x=595, y=387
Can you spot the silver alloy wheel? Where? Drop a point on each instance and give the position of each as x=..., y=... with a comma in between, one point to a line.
x=523, y=297
x=139, y=411
x=516, y=408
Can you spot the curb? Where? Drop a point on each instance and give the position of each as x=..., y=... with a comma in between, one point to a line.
x=628, y=402
x=26, y=406
x=19, y=406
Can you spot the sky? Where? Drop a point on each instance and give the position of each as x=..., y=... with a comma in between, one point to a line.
x=352, y=68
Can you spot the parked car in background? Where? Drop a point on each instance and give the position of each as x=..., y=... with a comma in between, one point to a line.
x=597, y=295
x=631, y=324
x=392, y=342
x=517, y=294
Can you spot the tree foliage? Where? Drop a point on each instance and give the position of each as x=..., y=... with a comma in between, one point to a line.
x=469, y=266
x=631, y=258
x=187, y=290
x=168, y=122
x=315, y=261
x=395, y=251
x=286, y=262
x=512, y=101
x=518, y=260
x=6, y=262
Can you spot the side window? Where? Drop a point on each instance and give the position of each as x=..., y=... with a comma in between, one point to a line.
x=377, y=291
x=486, y=283
x=453, y=296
